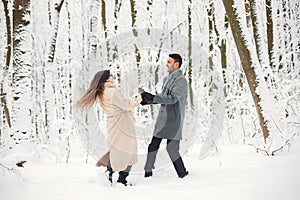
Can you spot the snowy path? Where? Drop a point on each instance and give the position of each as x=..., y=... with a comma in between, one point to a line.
x=230, y=175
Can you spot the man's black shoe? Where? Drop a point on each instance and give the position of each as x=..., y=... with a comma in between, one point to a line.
x=148, y=174
x=184, y=174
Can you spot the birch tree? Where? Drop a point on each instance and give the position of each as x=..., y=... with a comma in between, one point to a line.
x=43, y=56
x=50, y=69
x=22, y=73
x=55, y=24
x=135, y=33
x=190, y=62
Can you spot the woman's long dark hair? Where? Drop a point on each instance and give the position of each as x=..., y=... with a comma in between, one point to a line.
x=95, y=90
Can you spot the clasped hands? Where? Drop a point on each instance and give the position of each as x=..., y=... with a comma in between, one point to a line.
x=147, y=98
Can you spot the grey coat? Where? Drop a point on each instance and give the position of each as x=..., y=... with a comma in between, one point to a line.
x=173, y=99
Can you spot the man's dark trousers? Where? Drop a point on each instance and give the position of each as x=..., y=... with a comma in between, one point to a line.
x=173, y=151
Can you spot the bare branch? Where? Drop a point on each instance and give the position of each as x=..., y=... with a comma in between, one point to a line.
x=14, y=171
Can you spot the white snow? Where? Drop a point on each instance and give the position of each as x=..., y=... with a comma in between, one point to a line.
x=236, y=172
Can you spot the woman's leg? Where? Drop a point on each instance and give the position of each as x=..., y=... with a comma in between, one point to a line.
x=123, y=175
x=110, y=172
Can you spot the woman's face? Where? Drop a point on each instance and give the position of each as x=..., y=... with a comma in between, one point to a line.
x=110, y=79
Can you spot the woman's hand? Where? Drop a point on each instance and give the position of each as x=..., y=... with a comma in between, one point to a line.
x=138, y=98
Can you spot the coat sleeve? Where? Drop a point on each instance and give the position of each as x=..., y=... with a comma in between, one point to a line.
x=179, y=89
x=123, y=103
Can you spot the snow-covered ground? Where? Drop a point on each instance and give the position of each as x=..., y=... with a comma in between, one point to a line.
x=236, y=172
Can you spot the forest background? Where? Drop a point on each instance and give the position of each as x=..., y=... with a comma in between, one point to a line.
x=241, y=60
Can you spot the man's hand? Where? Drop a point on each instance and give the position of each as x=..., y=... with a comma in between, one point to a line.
x=147, y=98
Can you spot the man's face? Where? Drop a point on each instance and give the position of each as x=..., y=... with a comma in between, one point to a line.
x=172, y=65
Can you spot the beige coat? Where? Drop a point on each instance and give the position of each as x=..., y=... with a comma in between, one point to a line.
x=120, y=129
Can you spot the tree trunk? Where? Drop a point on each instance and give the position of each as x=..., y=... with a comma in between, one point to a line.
x=51, y=71
x=211, y=39
x=269, y=30
x=49, y=12
x=57, y=9
x=149, y=5
x=224, y=57
x=248, y=13
x=67, y=71
x=116, y=13
x=93, y=29
x=245, y=61
x=133, y=17
x=103, y=17
x=7, y=63
x=133, y=26
x=22, y=73
x=190, y=62
x=253, y=14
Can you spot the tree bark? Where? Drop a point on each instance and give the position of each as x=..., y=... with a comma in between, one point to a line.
x=190, y=62
x=93, y=29
x=248, y=12
x=118, y=5
x=22, y=73
x=224, y=56
x=51, y=70
x=116, y=12
x=269, y=30
x=7, y=62
x=149, y=5
x=103, y=17
x=253, y=14
x=104, y=23
x=133, y=26
x=57, y=8
x=246, y=62
x=133, y=17
x=211, y=39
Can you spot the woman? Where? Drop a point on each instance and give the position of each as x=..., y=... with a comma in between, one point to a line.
x=121, y=137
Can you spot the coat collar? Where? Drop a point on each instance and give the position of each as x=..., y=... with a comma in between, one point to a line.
x=175, y=73
x=109, y=84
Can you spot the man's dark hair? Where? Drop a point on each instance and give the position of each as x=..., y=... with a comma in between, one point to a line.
x=177, y=58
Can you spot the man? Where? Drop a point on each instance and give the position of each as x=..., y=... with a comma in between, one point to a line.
x=170, y=118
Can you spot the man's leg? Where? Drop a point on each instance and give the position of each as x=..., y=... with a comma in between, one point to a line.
x=173, y=151
x=151, y=156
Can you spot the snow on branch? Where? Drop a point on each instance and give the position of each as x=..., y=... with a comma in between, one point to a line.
x=12, y=170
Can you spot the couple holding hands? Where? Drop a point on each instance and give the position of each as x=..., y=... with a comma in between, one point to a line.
x=121, y=136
